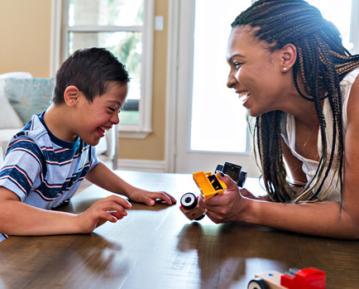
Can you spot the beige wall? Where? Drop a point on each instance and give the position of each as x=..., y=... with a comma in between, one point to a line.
x=25, y=27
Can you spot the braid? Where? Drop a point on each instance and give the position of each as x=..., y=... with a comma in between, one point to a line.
x=266, y=126
x=322, y=62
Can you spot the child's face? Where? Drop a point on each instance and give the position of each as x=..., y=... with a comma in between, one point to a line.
x=96, y=117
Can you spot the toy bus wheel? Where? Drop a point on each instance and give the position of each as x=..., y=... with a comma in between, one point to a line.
x=257, y=284
x=189, y=201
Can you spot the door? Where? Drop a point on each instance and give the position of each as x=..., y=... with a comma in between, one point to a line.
x=211, y=122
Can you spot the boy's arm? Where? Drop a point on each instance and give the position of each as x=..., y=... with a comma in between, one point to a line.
x=107, y=179
x=21, y=174
x=21, y=219
x=17, y=218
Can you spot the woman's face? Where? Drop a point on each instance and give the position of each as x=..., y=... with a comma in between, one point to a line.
x=256, y=74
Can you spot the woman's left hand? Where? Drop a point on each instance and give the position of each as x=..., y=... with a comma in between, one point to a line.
x=229, y=205
x=149, y=198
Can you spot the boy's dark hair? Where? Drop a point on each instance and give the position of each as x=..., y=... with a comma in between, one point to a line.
x=89, y=70
x=322, y=62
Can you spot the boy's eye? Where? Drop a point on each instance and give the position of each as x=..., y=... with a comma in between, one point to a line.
x=111, y=109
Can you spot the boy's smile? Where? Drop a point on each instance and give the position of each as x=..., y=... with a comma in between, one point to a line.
x=81, y=117
x=98, y=116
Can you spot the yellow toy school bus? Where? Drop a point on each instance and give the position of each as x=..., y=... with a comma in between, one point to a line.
x=208, y=184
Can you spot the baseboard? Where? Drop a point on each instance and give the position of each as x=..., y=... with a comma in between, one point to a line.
x=142, y=165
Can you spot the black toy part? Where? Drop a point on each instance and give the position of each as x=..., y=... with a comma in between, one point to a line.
x=234, y=171
x=189, y=201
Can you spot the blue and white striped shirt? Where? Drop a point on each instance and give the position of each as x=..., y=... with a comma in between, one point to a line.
x=42, y=170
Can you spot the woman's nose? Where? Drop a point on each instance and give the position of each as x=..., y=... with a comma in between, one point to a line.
x=231, y=81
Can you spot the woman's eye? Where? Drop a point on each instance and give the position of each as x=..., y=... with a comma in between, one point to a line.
x=237, y=65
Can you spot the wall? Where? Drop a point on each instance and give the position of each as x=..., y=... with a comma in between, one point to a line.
x=25, y=31
x=25, y=36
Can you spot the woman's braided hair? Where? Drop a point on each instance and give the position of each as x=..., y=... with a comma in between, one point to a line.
x=322, y=62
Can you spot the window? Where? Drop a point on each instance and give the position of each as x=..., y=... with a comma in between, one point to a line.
x=343, y=14
x=211, y=128
x=124, y=27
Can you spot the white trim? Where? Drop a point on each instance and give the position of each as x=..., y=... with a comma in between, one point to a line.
x=171, y=88
x=64, y=34
x=134, y=134
x=142, y=165
x=56, y=10
x=186, y=19
x=145, y=107
x=96, y=28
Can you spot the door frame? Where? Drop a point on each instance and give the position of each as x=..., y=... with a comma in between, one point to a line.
x=179, y=56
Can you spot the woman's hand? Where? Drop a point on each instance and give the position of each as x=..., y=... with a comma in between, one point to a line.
x=112, y=209
x=149, y=198
x=228, y=206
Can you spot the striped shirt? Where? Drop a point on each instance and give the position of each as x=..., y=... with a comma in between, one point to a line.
x=42, y=170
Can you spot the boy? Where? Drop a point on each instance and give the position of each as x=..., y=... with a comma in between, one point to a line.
x=46, y=161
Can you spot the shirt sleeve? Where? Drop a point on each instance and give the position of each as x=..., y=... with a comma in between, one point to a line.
x=22, y=167
x=93, y=158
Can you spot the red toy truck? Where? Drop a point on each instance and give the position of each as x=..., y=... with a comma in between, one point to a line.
x=307, y=278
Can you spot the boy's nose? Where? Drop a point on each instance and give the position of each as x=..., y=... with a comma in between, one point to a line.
x=115, y=119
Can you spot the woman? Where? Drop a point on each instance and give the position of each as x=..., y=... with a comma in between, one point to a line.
x=291, y=71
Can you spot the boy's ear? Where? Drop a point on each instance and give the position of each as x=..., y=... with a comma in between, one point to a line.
x=288, y=57
x=71, y=95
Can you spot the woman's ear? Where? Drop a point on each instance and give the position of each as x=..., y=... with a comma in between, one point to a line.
x=288, y=57
x=71, y=95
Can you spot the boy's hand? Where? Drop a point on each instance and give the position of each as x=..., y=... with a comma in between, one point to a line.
x=112, y=209
x=150, y=198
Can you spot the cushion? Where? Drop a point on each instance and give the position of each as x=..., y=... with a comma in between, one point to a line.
x=8, y=116
x=29, y=95
x=15, y=74
x=5, y=137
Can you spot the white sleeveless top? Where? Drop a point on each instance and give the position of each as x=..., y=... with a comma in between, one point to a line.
x=331, y=186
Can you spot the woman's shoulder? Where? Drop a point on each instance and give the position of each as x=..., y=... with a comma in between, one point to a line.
x=349, y=87
x=353, y=95
x=350, y=77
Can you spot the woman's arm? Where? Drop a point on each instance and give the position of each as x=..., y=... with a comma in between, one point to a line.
x=325, y=218
x=321, y=218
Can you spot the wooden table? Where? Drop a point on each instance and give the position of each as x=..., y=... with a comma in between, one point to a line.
x=158, y=248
